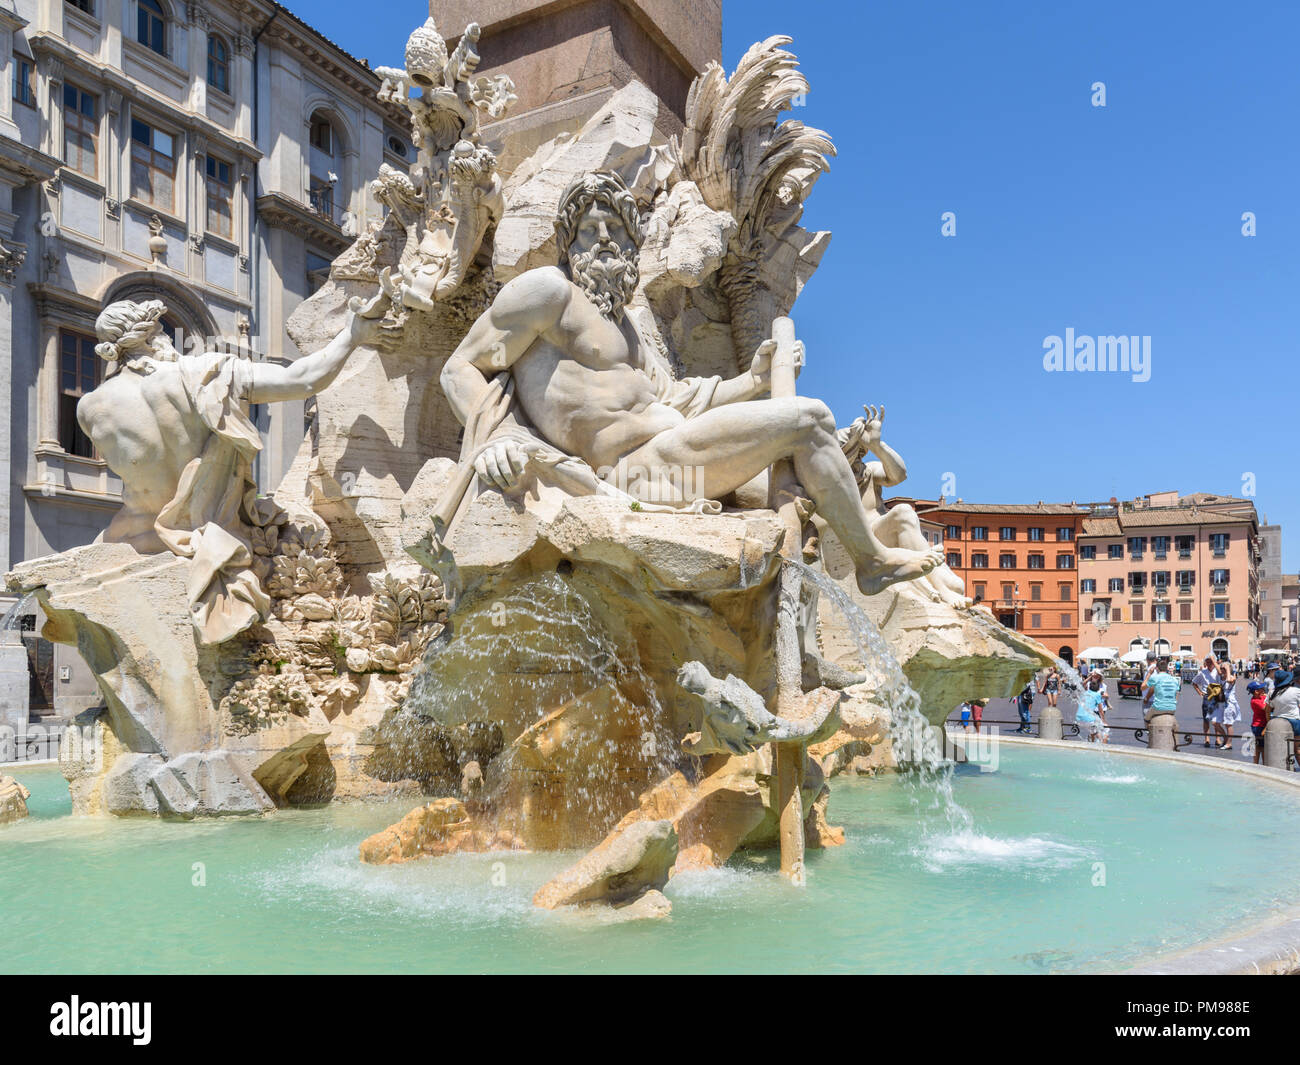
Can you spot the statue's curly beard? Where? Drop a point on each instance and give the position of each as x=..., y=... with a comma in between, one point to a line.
x=608, y=282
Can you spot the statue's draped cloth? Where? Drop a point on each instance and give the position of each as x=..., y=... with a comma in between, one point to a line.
x=209, y=519
x=498, y=416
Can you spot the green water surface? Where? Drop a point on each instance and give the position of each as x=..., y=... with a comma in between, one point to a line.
x=1072, y=861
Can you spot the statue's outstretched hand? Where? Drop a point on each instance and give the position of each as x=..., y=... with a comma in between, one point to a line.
x=366, y=318
x=502, y=464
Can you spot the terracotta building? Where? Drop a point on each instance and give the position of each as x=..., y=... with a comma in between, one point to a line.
x=1018, y=560
x=1177, y=574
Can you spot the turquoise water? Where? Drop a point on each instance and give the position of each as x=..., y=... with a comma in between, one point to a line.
x=1184, y=854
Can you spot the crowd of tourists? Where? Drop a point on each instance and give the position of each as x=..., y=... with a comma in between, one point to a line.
x=1270, y=690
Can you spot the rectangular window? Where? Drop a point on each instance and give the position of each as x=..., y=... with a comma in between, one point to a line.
x=1006, y=561
x=1117, y=614
x=980, y=590
x=1160, y=578
x=1035, y=621
x=81, y=130
x=87, y=6
x=1117, y=584
x=151, y=25
x=1219, y=544
x=1037, y=562
x=1186, y=578
x=954, y=559
x=153, y=166
x=952, y=532
x=1137, y=611
x=79, y=373
x=1065, y=562
x=1184, y=611
x=1137, y=581
x=1184, y=545
x=1115, y=551
x=1064, y=532
x=1160, y=612
x=979, y=560
x=1220, y=611
x=221, y=196
x=1035, y=592
x=1065, y=621
x=1219, y=577
x=1008, y=592
x=1066, y=590
x=1007, y=532
x=1088, y=586
x=1160, y=546
x=1136, y=545
x=979, y=532
x=1035, y=534
x=24, y=81
x=1088, y=552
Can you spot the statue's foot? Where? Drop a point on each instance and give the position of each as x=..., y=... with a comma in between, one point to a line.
x=898, y=565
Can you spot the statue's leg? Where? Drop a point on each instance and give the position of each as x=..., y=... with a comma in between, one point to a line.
x=722, y=449
x=901, y=527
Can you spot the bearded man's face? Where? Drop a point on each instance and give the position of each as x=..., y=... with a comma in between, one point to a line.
x=602, y=260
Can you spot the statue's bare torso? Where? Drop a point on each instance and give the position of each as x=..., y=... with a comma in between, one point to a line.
x=583, y=382
x=147, y=430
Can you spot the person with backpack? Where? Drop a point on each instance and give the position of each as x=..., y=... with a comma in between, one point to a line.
x=1024, y=703
x=1209, y=684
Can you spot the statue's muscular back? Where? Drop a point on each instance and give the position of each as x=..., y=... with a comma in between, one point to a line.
x=582, y=382
x=147, y=430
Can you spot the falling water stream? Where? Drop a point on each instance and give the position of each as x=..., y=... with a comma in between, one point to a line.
x=917, y=747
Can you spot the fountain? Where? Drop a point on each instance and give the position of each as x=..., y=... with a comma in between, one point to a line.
x=565, y=558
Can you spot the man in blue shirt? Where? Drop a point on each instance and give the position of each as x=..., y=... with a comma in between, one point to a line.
x=1163, y=688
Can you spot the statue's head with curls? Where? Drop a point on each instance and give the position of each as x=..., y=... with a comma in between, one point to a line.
x=598, y=235
x=131, y=333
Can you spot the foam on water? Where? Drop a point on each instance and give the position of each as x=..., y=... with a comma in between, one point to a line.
x=965, y=848
x=1111, y=777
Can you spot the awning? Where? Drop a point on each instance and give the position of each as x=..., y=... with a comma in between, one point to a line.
x=1135, y=656
x=1093, y=654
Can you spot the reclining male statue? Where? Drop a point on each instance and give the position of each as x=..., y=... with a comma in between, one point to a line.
x=557, y=345
x=176, y=429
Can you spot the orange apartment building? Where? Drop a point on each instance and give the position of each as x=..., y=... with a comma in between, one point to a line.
x=1176, y=574
x=1020, y=561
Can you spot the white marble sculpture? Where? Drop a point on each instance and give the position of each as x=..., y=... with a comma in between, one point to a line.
x=557, y=364
x=897, y=526
x=176, y=429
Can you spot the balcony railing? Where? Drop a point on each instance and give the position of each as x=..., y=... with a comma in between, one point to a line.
x=321, y=201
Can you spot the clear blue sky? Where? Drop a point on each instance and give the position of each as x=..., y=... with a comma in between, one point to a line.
x=1117, y=220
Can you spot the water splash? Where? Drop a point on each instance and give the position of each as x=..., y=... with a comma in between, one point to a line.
x=917, y=747
x=538, y=649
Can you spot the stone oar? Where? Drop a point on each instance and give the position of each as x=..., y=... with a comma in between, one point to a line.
x=788, y=757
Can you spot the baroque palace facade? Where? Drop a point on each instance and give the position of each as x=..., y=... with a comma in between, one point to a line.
x=213, y=155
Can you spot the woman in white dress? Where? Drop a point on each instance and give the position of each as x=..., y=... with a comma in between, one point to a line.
x=1231, y=710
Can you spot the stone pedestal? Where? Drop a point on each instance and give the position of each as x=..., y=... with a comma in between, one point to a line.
x=1049, y=723
x=1162, y=732
x=1277, y=743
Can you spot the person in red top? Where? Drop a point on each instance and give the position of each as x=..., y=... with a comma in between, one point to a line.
x=1258, y=715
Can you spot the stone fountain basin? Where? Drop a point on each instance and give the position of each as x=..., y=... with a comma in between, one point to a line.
x=908, y=892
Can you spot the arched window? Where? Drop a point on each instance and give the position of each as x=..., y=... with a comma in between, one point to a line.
x=218, y=64
x=151, y=25
x=322, y=133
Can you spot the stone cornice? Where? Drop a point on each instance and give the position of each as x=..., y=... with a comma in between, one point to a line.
x=280, y=212
x=29, y=163
x=10, y=19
